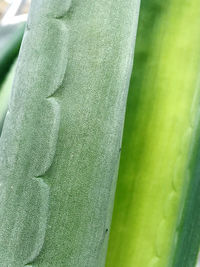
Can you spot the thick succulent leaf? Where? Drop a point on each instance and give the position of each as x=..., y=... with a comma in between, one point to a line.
x=158, y=144
x=188, y=242
x=10, y=41
x=60, y=144
x=5, y=92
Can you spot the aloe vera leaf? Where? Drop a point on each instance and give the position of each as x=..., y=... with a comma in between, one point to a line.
x=188, y=240
x=10, y=41
x=5, y=92
x=160, y=129
x=61, y=139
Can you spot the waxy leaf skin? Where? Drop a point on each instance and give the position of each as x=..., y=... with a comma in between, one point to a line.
x=60, y=144
x=156, y=214
x=10, y=41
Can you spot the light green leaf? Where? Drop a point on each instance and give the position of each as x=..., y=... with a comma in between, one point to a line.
x=10, y=41
x=158, y=145
x=62, y=135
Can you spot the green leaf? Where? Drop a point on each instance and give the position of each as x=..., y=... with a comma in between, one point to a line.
x=188, y=241
x=10, y=41
x=62, y=135
x=157, y=179
x=5, y=92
